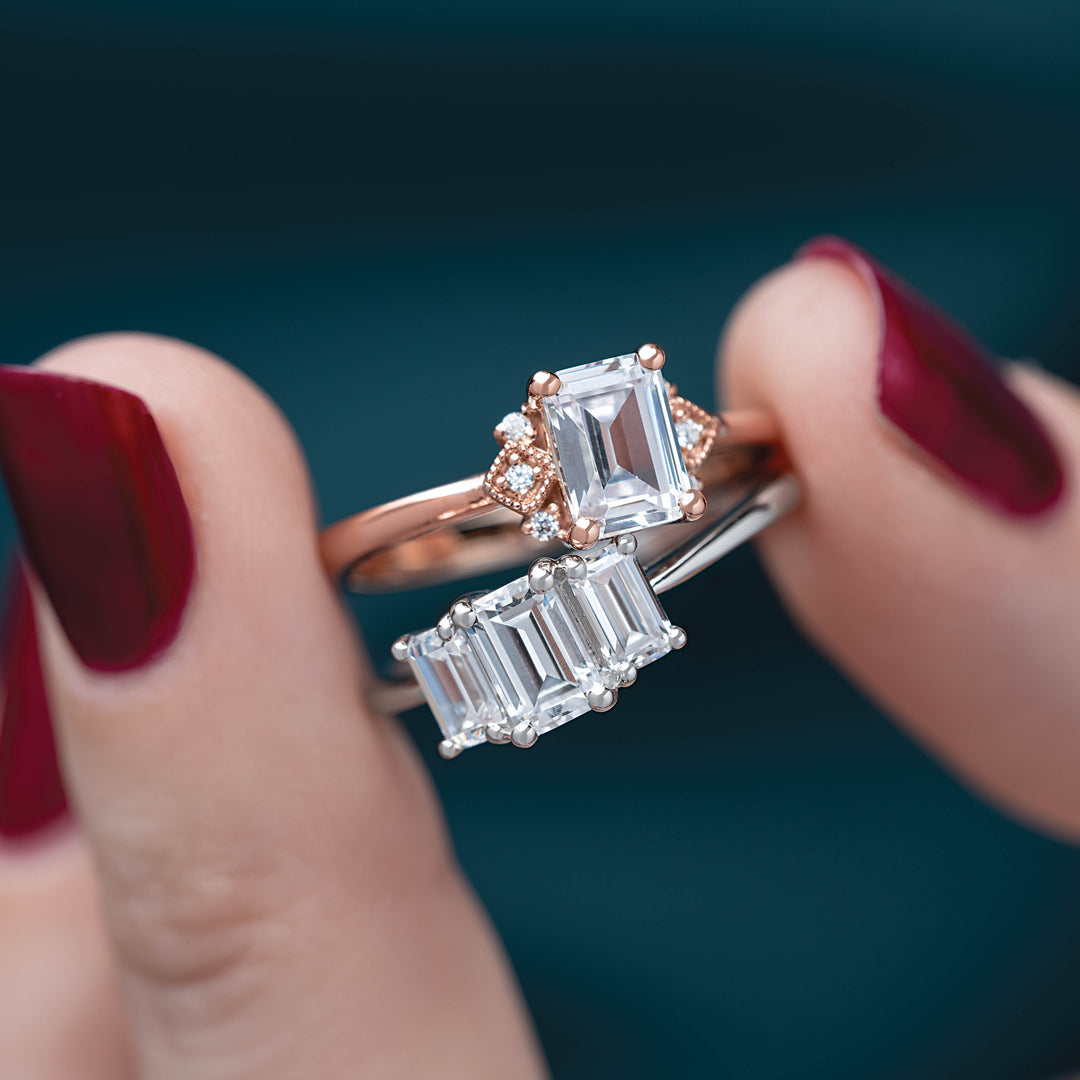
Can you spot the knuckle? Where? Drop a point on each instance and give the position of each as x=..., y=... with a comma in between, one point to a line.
x=198, y=938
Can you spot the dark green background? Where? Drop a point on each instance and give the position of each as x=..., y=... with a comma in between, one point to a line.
x=357, y=202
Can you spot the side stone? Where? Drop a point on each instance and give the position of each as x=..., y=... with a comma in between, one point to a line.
x=454, y=685
x=615, y=604
x=534, y=654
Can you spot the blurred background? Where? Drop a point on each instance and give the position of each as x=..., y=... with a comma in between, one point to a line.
x=358, y=202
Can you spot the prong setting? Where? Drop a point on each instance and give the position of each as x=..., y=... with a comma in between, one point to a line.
x=574, y=567
x=692, y=504
x=601, y=699
x=462, y=615
x=584, y=533
x=524, y=735
x=448, y=751
x=544, y=384
x=651, y=356
x=624, y=674
x=626, y=543
x=445, y=627
x=542, y=575
x=497, y=734
x=400, y=649
x=676, y=637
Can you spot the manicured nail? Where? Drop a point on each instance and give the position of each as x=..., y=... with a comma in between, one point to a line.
x=31, y=791
x=945, y=393
x=102, y=517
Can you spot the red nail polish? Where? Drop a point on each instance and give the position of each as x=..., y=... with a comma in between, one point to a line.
x=939, y=387
x=31, y=791
x=100, y=510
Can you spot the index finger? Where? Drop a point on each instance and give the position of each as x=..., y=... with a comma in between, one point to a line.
x=947, y=586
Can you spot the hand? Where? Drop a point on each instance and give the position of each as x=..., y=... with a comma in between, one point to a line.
x=260, y=884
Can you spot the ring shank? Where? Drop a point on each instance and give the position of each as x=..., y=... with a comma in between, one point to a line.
x=458, y=531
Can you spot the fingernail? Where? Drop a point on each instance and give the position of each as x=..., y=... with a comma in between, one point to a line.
x=31, y=791
x=944, y=392
x=101, y=514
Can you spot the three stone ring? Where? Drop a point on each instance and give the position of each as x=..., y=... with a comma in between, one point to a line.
x=643, y=487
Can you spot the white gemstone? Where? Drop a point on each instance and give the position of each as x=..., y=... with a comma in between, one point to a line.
x=688, y=431
x=520, y=478
x=533, y=652
x=534, y=658
x=614, y=444
x=455, y=686
x=544, y=526
x=614, y=602
x=516, y=427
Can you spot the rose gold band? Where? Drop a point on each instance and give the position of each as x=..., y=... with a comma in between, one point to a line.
x=458, y=530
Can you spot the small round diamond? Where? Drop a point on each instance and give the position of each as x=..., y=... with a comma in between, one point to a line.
x=515, y=427
x=688, y=433
x=544, y=526
x=520, y=478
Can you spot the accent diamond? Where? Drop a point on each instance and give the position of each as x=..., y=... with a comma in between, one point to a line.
x=688, y=432
x=520, y=478
x=544, y=526
x=614, y=445
x=515, y=427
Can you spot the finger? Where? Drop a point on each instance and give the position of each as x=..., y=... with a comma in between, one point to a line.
x=59, y=1003
x=934, y=557
x=274, y=871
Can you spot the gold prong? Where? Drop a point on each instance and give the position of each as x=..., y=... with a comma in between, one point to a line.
x=651, y=356
x=692, y=504
x=544, y=384
x=584, y=533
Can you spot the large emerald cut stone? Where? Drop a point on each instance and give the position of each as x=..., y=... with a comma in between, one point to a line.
x=614, y=445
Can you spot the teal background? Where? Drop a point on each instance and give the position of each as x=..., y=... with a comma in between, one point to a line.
x=356, y=203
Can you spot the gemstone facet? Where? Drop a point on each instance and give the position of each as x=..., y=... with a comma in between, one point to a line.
x=614, y=445
x=624, y=621
x=544, y=526
x=515, y=427
x=534, y=658
x=688, y=432
x=520, y=478
x=534, y=655
x=454, y=685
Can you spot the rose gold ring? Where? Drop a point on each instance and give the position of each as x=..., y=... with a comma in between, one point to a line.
x=596, y=451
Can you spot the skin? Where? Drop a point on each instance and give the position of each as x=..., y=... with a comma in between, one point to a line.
x=261, y=884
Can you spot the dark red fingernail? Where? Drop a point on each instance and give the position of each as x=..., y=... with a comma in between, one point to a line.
x=102, y=517
x=943, y=390
x=31, y=791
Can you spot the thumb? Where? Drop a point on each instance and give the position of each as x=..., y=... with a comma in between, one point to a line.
x=277, y=883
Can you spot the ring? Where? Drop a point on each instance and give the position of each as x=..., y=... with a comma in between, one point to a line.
x=596, y=450
x=609, y=460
